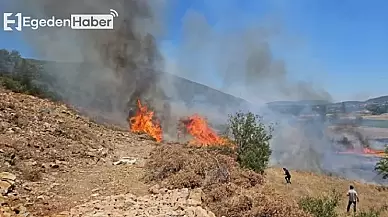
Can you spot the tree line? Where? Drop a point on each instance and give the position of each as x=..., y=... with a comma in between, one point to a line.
x=23, y=75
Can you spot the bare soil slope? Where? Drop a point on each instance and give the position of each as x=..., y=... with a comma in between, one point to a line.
x=60, y=158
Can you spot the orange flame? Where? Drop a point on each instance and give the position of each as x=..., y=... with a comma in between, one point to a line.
x=366, y=152
x=371, y=151
x=202, y=134
x=142, y=123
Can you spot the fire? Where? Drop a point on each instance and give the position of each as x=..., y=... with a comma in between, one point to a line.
x=371, y=151
x=198, y=127
x=142, y=123
x=366, y=152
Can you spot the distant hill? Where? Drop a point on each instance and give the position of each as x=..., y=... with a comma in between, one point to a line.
x=181, y=89
x=299, y=103
x=191, y=92
x=381, y=99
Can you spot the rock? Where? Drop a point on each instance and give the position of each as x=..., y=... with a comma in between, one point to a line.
x=9, y=131
x=192, y=202
x=5, y=187
x=168, y=203
x=6, y=176
x=195, y=197
x=19, y=209
x=154, y=189
x=200, y=212
x=27, y=187
x=54, y=165
x=125, y=160
x=3, y=200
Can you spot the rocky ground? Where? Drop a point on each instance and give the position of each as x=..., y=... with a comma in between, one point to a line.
x=162, y=202
x=61, y=159
x=54, y=159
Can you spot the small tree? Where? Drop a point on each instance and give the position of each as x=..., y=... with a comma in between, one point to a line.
x=382, y=166
x=251, y=138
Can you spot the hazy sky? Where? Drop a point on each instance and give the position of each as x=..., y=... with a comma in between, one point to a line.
x=340, y=45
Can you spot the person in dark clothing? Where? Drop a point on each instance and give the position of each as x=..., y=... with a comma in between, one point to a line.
x=353, y=199
x=288, y=175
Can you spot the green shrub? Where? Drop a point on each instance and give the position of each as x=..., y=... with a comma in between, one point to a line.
x=21, y=75
x=11, y=84
x=321, y=206
x=369, y=213
x=251, y=138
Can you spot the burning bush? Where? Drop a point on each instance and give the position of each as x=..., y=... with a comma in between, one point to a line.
x=143, y=122
x=251, y=139
x=197, y=127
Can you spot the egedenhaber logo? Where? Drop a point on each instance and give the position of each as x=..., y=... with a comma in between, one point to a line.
x=76, y=21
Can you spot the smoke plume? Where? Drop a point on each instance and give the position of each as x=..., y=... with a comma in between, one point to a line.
x=241, y=59
x=114, y=66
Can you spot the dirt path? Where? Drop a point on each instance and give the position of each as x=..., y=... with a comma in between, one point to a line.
x=60, y=191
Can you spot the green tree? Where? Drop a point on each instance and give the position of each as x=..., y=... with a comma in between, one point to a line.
x=377, y=109
x=8, y=61
x=382, y=166
x=251, y=138
x=24, y=75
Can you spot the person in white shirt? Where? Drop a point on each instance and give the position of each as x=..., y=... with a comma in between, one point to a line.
x=353, y=199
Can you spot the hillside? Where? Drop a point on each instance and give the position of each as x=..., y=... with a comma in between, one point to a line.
x=176, y=84
x=381, y=99
x=61, y=160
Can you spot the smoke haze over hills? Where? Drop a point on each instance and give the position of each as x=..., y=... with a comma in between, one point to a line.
x=119, y=66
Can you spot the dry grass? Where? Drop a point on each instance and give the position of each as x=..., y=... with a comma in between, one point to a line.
x=228, y=190
x=231, y=191
x=310, y=184
x=376, y=117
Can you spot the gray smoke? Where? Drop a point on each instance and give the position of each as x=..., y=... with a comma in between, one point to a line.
x=114, y=66
x=241, y=59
